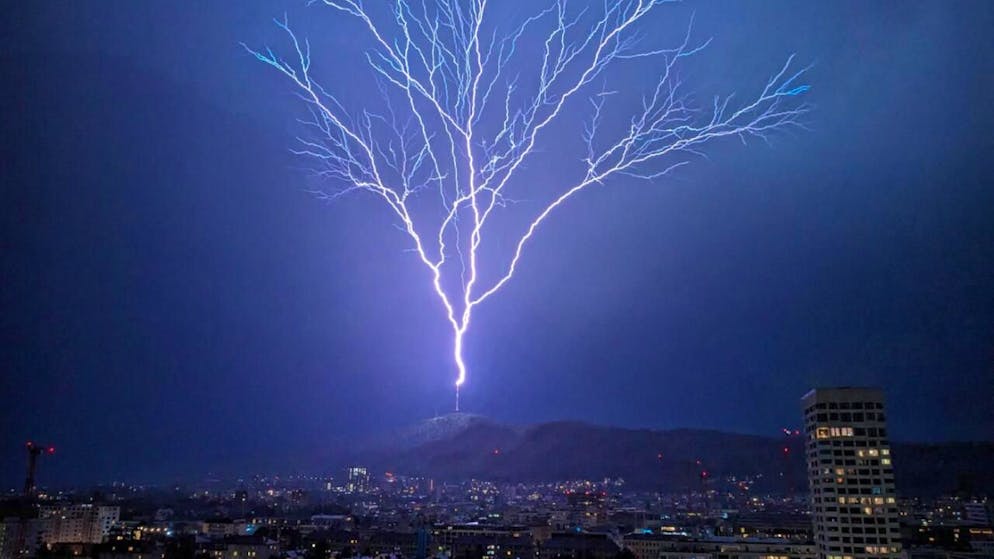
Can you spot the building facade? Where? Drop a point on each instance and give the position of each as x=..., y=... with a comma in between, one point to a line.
x=658, y=546
x=476, y=540
x=357, y=479
x=850, y=474
x=80, y=523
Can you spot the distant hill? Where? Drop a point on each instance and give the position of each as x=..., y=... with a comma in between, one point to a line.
x=462, y=446
x=440, y=428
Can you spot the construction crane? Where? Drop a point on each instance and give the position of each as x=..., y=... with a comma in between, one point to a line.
x=704, y=475
x=19, y=535
x=34, y=451
x=792, y=438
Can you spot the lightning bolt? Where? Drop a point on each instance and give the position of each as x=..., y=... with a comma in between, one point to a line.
x=454, y=120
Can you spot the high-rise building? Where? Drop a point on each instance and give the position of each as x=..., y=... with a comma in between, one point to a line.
x=850, y=475
x=358, y=479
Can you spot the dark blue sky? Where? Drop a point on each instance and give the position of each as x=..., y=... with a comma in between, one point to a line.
x=174, y=301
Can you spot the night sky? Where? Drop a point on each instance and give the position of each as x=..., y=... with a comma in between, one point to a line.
x=174, y=301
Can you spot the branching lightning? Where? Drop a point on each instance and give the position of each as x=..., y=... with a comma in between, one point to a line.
x=457, y=121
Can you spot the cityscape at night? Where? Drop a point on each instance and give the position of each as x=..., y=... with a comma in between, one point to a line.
x=497, y=279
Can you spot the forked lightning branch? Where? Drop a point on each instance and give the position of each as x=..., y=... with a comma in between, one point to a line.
x=463, y=105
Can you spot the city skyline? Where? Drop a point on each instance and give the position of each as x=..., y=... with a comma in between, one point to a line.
x=852, y=511
x=172, y=289
x=450, y=447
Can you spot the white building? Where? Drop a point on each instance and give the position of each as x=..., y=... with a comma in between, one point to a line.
x=850, y=474
x=77, y=523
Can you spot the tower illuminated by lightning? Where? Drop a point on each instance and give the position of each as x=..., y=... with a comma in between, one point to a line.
x=463, y=104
